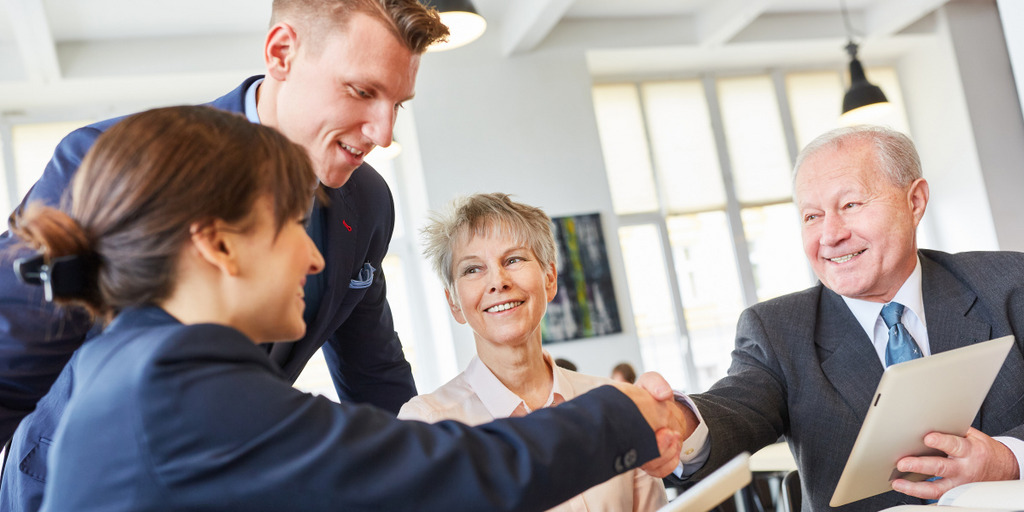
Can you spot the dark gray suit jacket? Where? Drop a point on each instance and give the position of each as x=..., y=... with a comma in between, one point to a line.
x=803, y=368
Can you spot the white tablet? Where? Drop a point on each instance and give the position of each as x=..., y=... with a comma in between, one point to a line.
x=715, y=488
x=938, y=393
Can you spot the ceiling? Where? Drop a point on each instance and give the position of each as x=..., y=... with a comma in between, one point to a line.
x=46, y=44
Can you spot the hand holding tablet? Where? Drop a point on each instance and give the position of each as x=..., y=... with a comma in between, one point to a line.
x=939, y=393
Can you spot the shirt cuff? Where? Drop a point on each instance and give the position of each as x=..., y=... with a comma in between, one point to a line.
x=697, y=447
x=1017, y=447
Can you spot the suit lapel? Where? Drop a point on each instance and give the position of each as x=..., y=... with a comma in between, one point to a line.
x=947, y=303
x=848, y=357
x=956, y=319
x=340, y=225
x=338, y=257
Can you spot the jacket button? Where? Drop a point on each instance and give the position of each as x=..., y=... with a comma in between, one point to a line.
x=626, y=461
x=630, y=459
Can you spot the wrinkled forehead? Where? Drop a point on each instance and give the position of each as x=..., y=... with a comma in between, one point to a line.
x=850, y=157
x=488, y=228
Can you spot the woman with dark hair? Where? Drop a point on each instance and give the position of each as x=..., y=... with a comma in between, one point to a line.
x=185, y=235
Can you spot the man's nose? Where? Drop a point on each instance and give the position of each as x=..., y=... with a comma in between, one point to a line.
x=834, y=230
x=380, y=127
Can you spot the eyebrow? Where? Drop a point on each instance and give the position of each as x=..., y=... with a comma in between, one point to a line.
x=506, y=253
x=380, y=87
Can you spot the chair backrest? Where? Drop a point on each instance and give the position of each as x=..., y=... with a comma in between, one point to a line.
x=791, y=492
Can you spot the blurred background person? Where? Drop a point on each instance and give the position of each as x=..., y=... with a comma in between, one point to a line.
x=624, y=372
x=565, y=363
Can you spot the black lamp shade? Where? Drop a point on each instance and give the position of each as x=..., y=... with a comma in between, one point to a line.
x=861, y=92
x=463, y=22
x=453, y=5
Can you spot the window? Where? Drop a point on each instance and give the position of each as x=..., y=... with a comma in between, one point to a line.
x=700, y=176
x=33, y=147
x=25, y=150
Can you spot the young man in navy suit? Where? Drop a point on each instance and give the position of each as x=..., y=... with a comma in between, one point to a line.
x=337, y=72
x=806, y=364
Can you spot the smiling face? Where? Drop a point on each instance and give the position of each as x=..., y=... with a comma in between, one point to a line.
x=858, y=228
x=339, y=97
x=272, y=270
x=502, y=290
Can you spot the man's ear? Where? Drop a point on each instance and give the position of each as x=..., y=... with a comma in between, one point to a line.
x=215, y=246
x=454, y=308
x=280, y=50
x=917, y=196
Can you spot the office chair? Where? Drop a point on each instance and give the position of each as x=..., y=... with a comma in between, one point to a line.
x=790, y=498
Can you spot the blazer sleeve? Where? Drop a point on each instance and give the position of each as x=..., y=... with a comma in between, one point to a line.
x=36, y=339
x=746, y=410
x=364, y=355
x=288, y=450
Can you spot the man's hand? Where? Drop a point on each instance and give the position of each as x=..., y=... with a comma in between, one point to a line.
x=683, y=421
x=671, y=422
x=975, y=457
x=669, y=445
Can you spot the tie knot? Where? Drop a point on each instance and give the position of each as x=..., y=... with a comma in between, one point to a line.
x=891, y=314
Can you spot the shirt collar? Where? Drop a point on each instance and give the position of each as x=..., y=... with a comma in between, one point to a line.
x=867, y=313
x=498, y=399
x=250, y=102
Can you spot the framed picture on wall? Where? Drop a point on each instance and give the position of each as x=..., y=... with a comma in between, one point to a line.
x=585, y=304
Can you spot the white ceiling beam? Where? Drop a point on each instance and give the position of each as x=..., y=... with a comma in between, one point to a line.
x=887, y=18
x=528, y=22
x=34, y=40
x=609, y=33
x=723, y=19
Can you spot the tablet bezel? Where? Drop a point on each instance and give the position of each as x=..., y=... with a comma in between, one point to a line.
x=938, y=393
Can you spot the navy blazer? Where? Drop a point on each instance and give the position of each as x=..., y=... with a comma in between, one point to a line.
x=354, y=326
x=804, y=368
x=168, y=416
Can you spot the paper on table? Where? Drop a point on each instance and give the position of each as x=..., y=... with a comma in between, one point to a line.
x=1005, y=495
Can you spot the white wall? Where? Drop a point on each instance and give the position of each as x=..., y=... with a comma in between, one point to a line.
x=524, y=126
x=1011, y=12
x=994, y=110
x=959, y=216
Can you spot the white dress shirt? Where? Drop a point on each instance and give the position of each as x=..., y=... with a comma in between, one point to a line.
x=869, y=315
x=476, y=396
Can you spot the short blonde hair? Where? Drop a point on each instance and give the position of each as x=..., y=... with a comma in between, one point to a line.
x=415, y=25
x=480, y=214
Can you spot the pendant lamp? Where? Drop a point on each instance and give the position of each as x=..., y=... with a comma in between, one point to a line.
x=863, y=102
x=464, y=24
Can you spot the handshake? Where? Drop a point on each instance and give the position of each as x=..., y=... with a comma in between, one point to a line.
x=671, y=421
